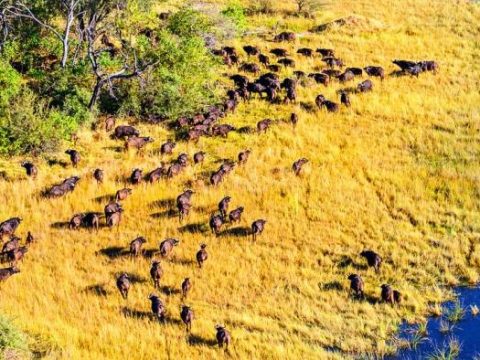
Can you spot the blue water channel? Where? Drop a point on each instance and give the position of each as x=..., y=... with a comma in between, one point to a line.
x=441, y=331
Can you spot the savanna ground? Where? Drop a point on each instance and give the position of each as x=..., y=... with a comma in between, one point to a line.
x=398, y=173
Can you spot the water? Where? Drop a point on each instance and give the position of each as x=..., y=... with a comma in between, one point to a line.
x=466, y=331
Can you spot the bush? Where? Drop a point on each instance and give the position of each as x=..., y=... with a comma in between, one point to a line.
x=11, y=338
x=309, y=7
x=187, y=23
x=236, y=13
x=29, y=126
x=182, y=84
x=10, y=82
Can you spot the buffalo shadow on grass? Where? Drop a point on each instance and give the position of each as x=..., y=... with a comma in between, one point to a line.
x=53, y=162
x=169, y=290
x=103, y=199
x=134, y=278
x=60, y=225
x=238, y=231
x=163, y=203
x=114, y=252
x=167, y=214
x=197, y=340
x=97, y=289
x=195, y=228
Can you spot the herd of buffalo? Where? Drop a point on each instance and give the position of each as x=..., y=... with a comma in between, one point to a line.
x=267, y=86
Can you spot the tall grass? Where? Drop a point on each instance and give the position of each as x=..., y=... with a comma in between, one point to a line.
x=408, y=150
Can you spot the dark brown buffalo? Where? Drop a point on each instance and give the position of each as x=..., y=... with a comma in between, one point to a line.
x=8, y=227
x=274, y=68
x=327, y=104
x=217, y=177
x=263, y=59
x=373, y=259
x=184, y=203
x=294, y=119
x=198, y=157
x=30, y=169
x=123, y=285
x=305, y=52
x=202, y=255
x=346, y=76
x=64, y=187
x=320, y=78
x=243, y=156
x=251, y=50
x=136, y=176
x=279, y=52
x=12, y=244
x=216, y=223
x=7, y=272
x=186, y=286
x=137, y=142
x=136, y=246
x=250, y=68
x=429, y=65
x=287, y=62
x=156, y=273
x=356, y=71
x=187, y=316
x=356, y=285
x=345, y=99
x=124, y=131
x=223, y=336
x=167, y=148
x=223, y=206
x=167, y=246
x=114, y=219
x=331, y=72
x=263, y=125
x=285, y=36
x=257, y=228
x=109, y=123
x=376, y=71
x=15, y=255
x=404, y=64
x=222, y=130
x=365, y=86
x=156, y=174
x=98, y=175
x=122, y=194
x=325, y=52
x=332, y=61
x=158, y=308
x=236, y=215
x=74, y=157
x=387, y=294
x=297, y=165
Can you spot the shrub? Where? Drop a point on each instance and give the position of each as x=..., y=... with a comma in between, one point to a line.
x=182, y=84
x=10, y=82
x=11, y=338
x=236, y=13
x=29, y=126
x=187, y=23
x=309, y=7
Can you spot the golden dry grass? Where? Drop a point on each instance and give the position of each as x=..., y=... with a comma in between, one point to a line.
x=398, y=173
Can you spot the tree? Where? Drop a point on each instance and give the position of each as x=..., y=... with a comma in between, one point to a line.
x=67, y=9
x=308, y=7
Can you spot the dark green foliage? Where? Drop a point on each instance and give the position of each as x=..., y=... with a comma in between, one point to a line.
x=181, y=84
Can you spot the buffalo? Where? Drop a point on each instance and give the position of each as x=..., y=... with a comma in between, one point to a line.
x=223, y=336
x=167, y=148
x=187, y=316
x=7, y=272
x=98, y=175
x=202, y=255
x=136, y=176
x=235, y=215
x=123, y=285
x=137, y=142
x=156, y=273
x=158, y=308
x=356, y=285
x=186, y=286
x=365, y=86
x=74, y=157
x=297, y=165
x=8, y=227
x=199, y=157
x=373, y=259
x=376, y=71
x=216, y=223
x=136, y=246
x=167, y=246
x=30, y=169
x=257, y=228
x=124, y=131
